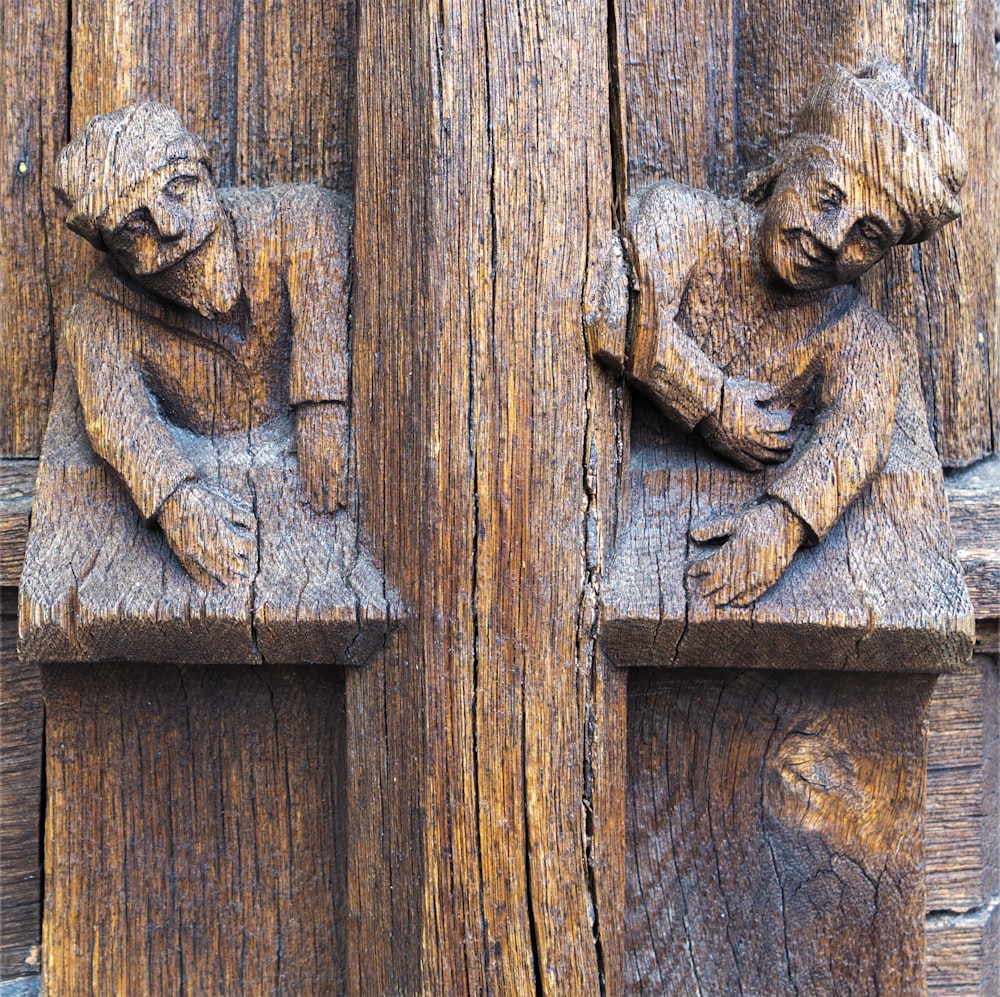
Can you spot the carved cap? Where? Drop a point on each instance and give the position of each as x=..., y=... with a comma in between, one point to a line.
x=113, y=154
x=886, y=131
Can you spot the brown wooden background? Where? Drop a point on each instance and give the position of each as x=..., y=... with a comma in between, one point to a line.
x=704, y=93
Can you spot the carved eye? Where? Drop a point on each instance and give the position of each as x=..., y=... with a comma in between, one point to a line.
x=137, y=223
x=178, y=188
x=871, y=230
x=831, y=198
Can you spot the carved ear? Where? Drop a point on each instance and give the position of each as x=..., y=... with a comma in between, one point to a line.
x=757, y=186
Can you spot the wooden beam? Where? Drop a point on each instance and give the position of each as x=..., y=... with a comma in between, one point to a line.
x=486, y=783
x=194, y=832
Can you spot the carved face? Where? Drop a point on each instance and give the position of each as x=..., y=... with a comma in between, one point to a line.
x=168, y=215
x=825, y=223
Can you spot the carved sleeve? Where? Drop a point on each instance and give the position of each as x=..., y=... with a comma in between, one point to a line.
x=122, y=420
x=318, y=288
x=850, y=440
x=664, y=240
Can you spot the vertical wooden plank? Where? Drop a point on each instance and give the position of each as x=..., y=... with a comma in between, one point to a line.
x=21, y=722
x=268, y=86
x=679, y=91
x=293, y=72
x=486, y=468
x=949, y=292
x=33, y=125
x=194, y=840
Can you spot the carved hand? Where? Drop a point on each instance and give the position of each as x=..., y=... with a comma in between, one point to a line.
x=744, y=429
x=321, y=429
x=213, y=537
x=762, y=541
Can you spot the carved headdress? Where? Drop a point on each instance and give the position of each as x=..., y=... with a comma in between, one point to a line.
x=884, y=131
x=114, y=153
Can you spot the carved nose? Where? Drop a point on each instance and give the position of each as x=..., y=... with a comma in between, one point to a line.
x=832, y=230
x=170, y=222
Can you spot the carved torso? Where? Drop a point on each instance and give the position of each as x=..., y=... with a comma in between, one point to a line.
x=833, y=360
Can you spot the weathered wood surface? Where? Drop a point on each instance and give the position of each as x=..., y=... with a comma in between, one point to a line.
x=103, y=586
x=963, y=954
x=775, y=826
x=963, y=833
x=974, y=500
x=194, y=837
x=963, y=795
x=17, y=492
x=883, y=591
x=486, y=475
x=21, y=726
x=709, y=92
x=33, y=122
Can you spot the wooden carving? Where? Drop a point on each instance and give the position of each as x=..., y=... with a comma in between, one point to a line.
x=192, y=494
x=793, y=480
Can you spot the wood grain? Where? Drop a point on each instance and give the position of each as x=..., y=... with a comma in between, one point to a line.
x=963, y=954
x=774, y=826
x=194, y=834
x=974, y=501
x=486, y=477
x=21, y=723
x=33, y=123
x=17, y=492
x=963, y=790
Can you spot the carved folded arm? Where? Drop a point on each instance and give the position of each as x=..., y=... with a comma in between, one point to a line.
x=122, y=421
x=318, y=280
x=850, y=440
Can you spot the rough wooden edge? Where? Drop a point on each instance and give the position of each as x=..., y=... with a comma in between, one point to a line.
x=17, y=491
x=974, y=499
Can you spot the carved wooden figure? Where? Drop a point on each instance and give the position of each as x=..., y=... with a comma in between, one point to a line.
x=194, y=474
x=794, y=421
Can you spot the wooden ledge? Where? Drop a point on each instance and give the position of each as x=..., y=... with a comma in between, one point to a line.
x=973, y=497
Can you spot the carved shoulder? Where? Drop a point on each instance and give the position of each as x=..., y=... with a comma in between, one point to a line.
x=677, y=225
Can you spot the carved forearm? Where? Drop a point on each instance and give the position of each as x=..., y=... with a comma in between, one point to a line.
x=322, y=431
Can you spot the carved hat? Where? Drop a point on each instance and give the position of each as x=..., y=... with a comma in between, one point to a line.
x=886, y=132
x=113, y=154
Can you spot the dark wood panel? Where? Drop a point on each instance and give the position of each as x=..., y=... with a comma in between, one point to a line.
x=195, y=840
x=33, y=126
x=775, y=833
x=21, y=727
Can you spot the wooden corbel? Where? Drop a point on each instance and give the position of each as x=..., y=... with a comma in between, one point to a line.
x=193, y=486
x=786, y=530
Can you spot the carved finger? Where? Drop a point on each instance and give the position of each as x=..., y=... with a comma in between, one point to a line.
x=715, y=529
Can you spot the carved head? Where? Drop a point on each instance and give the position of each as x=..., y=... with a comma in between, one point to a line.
x=870, y=166
x=138, y=186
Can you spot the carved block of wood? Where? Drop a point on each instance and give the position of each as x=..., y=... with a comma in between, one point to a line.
x=884, y=591
x=787, y=505
x=192, y=493
x=100, y=585
x=774, y=831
